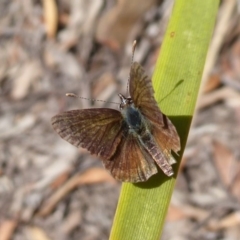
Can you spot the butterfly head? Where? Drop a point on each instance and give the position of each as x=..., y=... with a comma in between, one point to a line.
x=125, y=101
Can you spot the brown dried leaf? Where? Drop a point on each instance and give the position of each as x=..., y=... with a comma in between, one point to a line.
x=91, y=176
x=35, y=233
x=179, y=212
x=225, y=15
x=50, y=17
x=63, y=18
x=114, y=27
x=60, y=180
x=235, y=186
x=212, y=83
x=224, y=162
x=28, y=73
x=229, y=221
x=218, y=95
x=103, y=82
x=7, y=229
x=72, y=221
x=175, y=213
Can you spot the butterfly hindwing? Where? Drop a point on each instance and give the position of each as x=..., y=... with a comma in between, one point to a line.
x=131, y=162
x=98, y=130
x=166, y=136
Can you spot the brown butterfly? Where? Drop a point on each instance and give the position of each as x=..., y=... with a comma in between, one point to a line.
x=131, y=142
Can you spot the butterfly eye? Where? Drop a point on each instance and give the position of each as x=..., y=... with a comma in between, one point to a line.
x=121, y=105
x=129, y=100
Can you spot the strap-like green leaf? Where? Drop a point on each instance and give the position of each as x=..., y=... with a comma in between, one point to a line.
x=142, y=207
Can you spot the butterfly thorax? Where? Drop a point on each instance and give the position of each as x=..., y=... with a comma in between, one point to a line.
x=132, y=116
x=134, y=119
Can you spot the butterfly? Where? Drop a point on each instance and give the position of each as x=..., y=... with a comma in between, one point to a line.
x=131, y=142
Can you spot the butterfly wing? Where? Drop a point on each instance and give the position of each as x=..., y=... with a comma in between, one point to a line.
x=167, y=138
x=142, y=94
x=98, y=130
x=103, y=132
x=131, y=162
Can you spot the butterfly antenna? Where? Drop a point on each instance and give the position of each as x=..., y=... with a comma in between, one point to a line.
x=133, y=51
x=94, y=100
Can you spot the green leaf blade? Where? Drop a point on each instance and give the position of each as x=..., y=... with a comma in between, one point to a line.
x=142, y=207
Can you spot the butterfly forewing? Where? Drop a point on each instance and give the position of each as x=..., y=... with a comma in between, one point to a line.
x=131, y=162
x=98, y=130
x=142, y=94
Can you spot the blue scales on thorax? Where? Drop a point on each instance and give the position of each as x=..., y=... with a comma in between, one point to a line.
x=134, y=119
